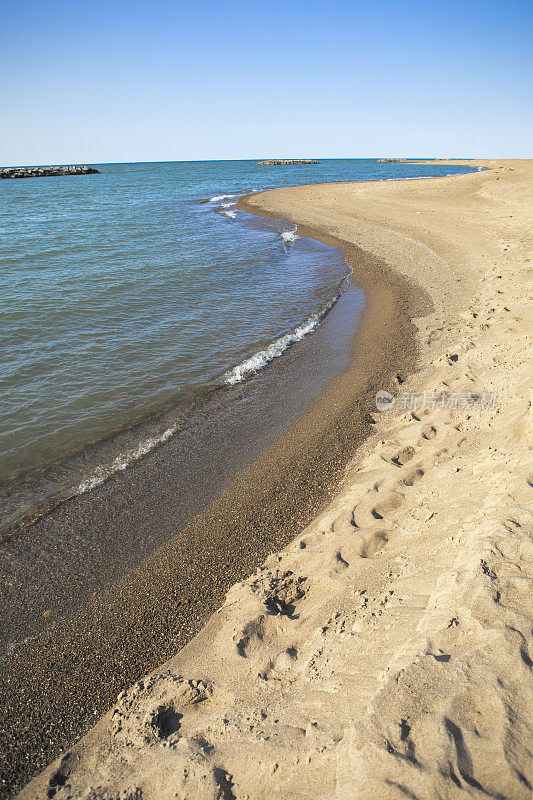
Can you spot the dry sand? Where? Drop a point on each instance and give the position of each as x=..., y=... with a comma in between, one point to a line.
x=384, y=652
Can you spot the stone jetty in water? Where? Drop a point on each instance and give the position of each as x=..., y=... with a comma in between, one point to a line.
x=45, y=172
x=287, y=161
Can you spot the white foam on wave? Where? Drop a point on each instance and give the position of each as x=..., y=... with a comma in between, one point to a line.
x=288, y=237
x=277, y=348
x=123, y=460
x=228, y=205
x=221, y=197
x=231, y=214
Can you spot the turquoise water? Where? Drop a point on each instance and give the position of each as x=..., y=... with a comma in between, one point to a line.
x=126, y=290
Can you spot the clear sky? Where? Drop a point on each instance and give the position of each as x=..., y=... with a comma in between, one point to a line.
x=154, y=81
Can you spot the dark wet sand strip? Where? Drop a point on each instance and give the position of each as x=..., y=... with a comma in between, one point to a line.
x=51, y=694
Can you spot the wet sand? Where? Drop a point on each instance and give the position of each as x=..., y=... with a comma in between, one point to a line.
x=54, y=687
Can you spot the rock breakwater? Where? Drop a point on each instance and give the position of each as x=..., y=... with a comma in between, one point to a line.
x=280, y=162
x=45, y=172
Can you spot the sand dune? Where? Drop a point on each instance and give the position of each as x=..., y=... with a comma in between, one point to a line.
x=384, y=653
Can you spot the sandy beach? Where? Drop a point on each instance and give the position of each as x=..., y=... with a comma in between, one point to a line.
x=383, y=653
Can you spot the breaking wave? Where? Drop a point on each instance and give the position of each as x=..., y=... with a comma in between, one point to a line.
x=288, y=237
x=123, y=460
x=278, y=347
x=221, y=197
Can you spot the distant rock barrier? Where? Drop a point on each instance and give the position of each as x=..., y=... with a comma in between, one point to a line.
x=390, y=160
x=45, y=172
x=282, y=162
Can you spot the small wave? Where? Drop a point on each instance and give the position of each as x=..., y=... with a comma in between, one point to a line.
x=123, y=460
x=231, y=214
x=221, y=197
x=277, y=348
x=228, y=205
x=288, y=237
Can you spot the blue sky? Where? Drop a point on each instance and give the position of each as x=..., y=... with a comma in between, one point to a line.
x=152, y=81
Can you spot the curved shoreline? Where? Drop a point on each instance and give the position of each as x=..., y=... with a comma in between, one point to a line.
x=230, y=648
x=289, y=481
x=30, y=493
